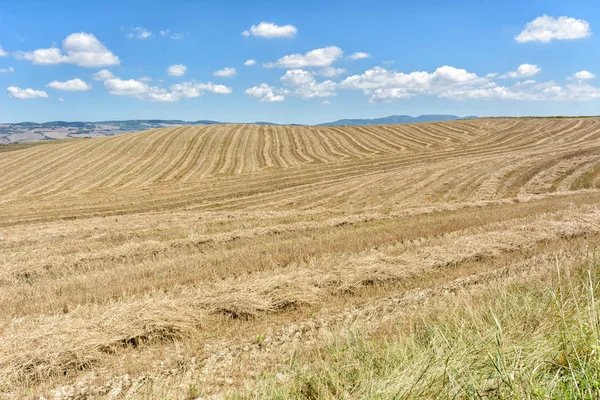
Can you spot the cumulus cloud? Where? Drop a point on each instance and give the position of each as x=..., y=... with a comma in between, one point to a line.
x=6, y=70
x=270, y=30
x=523, y=71
x=453, y=83
x=322, y=57
x=127, y=87
x=545, y=29
x=414, y=83
x=305, y=86
x=385, y=95
x=249, y=63
x=22, y=94
x=2, y=52
x=359, y=55
x=102, y=75
x=331, y=71
x=176, y=70
x=140, y=89
x=225, y=72
x=171, y=34
x=583, y=75
x=266, y=93
x=139, y=33
x=73, y=85
x=81, y=49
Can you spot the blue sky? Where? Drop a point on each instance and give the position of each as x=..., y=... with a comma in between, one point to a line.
x=314, y=61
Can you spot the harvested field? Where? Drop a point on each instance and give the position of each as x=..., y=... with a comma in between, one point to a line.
x=189, y=261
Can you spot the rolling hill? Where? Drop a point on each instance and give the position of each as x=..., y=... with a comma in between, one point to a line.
x=162, y=261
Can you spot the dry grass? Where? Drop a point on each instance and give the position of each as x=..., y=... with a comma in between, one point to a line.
x=197, y=239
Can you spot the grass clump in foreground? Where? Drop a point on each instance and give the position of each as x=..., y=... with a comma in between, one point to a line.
x=534, y=340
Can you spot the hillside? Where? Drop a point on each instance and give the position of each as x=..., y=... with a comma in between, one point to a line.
x=195, y=260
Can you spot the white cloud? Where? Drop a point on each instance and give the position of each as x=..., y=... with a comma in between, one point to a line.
x=176, y=70
x=305, y=86
x=139, y=33
x=326, y=102
x=145, y=79
x=270, y=30
x=331, y=71
x=249, y=63
x=381, y=85
x=81, y=49
x=545, y=28
x=22, y=94
x=322, y=57
x=6, y=70
x=61, y=99
x=129, y=87
x=583, y=75
x=359, y=55
x=141, y=90
x=189, y=90
x=417, y=82
x=385, y=95
x=73, y=85
x=266, y=93
x=171, y=34
x=102, y=75
x=2, y=52
x=225, y=72
x=525, y=83
x=523, y=71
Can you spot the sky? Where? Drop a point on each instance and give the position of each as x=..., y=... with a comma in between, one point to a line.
x=296, y=62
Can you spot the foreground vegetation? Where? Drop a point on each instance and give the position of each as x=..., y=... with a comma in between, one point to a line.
x=528, y=341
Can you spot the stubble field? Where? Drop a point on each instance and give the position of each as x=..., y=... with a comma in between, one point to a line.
x=197, y=261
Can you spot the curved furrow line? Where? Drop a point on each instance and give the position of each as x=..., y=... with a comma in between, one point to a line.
x=191, y=138
x=63, y=166
x=331, y=145
x=144, y=174
x=205, y=150
x=565, y=185
x=138, y=152
x=323, y=146
x=137, y=162
x=354, y=147
x=412, y=136
x=310, y=148
x=31, y=169
x=380, y=140
x=185, y=172
x=544, y=162
x=588, y=178
x=167, y=161
x=300, y=145
x=216, y=155
x=246, y=159
x=227, y=161
x=549, y=180
x=437, y=137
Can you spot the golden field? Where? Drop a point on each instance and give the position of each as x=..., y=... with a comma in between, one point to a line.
x=208, y=261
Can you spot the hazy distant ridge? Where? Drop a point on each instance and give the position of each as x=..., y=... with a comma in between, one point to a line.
x=23, y=132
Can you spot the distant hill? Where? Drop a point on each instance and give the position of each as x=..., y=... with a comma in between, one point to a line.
x=24, y=132
x=394, y=119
